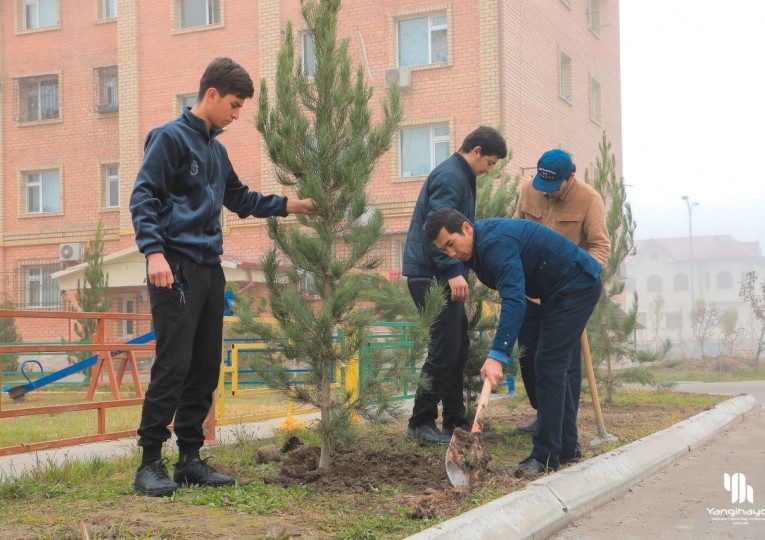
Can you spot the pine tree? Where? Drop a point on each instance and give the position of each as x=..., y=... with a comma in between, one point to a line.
x=9, y=334
x=319, y=134
x=92, y=293
x=610, y=332
x=752, y=291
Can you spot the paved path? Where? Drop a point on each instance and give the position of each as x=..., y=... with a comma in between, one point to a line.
x=676, y=502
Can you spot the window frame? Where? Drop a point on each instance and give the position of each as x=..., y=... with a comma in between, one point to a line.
x=106, y=77
x=565, y=77
x=128, y=325
x=429, y=15
x=210, y=11
x=110, y=177
x=103, y=10
x=593, y=16
x=596, y=101
x=432, y=142
x=307, y=36
x=24, y=85
x=41, y=198
x=53, y=293
x=24, y=16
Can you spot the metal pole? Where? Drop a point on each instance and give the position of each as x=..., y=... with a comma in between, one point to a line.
x=690, y=206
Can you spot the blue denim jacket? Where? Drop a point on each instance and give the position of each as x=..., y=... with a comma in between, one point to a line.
x=520, y=258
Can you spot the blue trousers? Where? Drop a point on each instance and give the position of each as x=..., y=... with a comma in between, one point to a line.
x=562, y=320
x=528, y=337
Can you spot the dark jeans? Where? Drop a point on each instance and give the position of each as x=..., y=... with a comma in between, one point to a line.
x=189, y=328
x=562, y=321
x=447, y=355
x=528, y=337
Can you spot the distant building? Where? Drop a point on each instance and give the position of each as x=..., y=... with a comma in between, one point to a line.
x=662, y=272
x=83, y=82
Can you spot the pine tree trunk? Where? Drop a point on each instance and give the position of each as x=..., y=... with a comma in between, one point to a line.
x=324, y=459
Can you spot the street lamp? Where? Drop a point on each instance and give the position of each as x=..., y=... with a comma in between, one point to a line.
x=690, y=206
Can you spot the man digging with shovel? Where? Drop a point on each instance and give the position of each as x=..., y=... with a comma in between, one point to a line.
x=520, y=258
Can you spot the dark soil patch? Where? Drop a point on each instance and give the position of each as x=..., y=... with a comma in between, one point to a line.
x=364, y=469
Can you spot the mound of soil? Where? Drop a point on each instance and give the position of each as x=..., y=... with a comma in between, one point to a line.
x=363, y=469
x=468, y=454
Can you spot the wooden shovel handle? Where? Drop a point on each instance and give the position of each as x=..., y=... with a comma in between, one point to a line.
x=480, y=408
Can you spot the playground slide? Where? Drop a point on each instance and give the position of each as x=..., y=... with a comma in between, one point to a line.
x=17, y=392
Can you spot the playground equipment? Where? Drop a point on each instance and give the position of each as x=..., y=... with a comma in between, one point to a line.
x=17, y=392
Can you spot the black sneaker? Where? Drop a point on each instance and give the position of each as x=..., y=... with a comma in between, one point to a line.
x=528, y=428
x=428, y=434
x=152, y=479
x=571, y=457
x=197, y=472
x=531, y=468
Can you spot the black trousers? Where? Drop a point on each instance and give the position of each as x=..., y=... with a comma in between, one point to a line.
x=189, y=328
x=528, y=338
x=445, y=363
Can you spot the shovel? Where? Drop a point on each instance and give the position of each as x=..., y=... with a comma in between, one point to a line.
x=465, y=458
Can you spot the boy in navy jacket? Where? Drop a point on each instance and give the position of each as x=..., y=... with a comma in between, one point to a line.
x=184, y=181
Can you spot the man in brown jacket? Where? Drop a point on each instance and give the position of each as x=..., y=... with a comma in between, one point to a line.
x=556, y=199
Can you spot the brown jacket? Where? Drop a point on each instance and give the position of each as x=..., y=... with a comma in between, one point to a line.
x=579, y=215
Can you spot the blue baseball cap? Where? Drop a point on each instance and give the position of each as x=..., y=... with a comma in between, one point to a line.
x=553, y=168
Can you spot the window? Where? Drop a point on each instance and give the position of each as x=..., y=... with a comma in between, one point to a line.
x=593, y=15
x=654, y=283
x=108, y=9
x=106, y=89
x=423, y=148
x=309, y=55
x=41, y=290
x=111, y=186
x=423, y=40
x=725, y=280
x=40, y=14
x=186, y=100
x=128, y=325
x=680, y=282
x=595, y=101
x=38, y=98
x=307, y=282
x=674, y=320
x=199, y=12
x=566, y=84
x=43, y=192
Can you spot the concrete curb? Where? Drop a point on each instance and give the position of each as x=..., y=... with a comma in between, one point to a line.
x=554, y=501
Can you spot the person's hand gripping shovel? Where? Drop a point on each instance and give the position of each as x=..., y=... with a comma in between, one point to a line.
x=466, y=459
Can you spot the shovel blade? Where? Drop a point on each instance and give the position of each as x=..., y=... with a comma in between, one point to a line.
x=457, y=477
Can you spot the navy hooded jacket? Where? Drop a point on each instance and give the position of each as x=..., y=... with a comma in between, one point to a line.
x=450, y=185
x=185, y=179
x=520, y=258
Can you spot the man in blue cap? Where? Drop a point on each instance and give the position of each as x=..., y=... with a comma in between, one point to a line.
x=517, y=258
x=556, y=199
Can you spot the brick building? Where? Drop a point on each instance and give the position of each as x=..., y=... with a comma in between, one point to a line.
x=83, y=81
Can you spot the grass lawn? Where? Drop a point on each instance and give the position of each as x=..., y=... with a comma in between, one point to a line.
x=719, y=369
x=380, y=487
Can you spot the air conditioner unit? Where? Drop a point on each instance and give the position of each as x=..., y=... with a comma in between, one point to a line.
x=401, y=75
x=70, y=252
